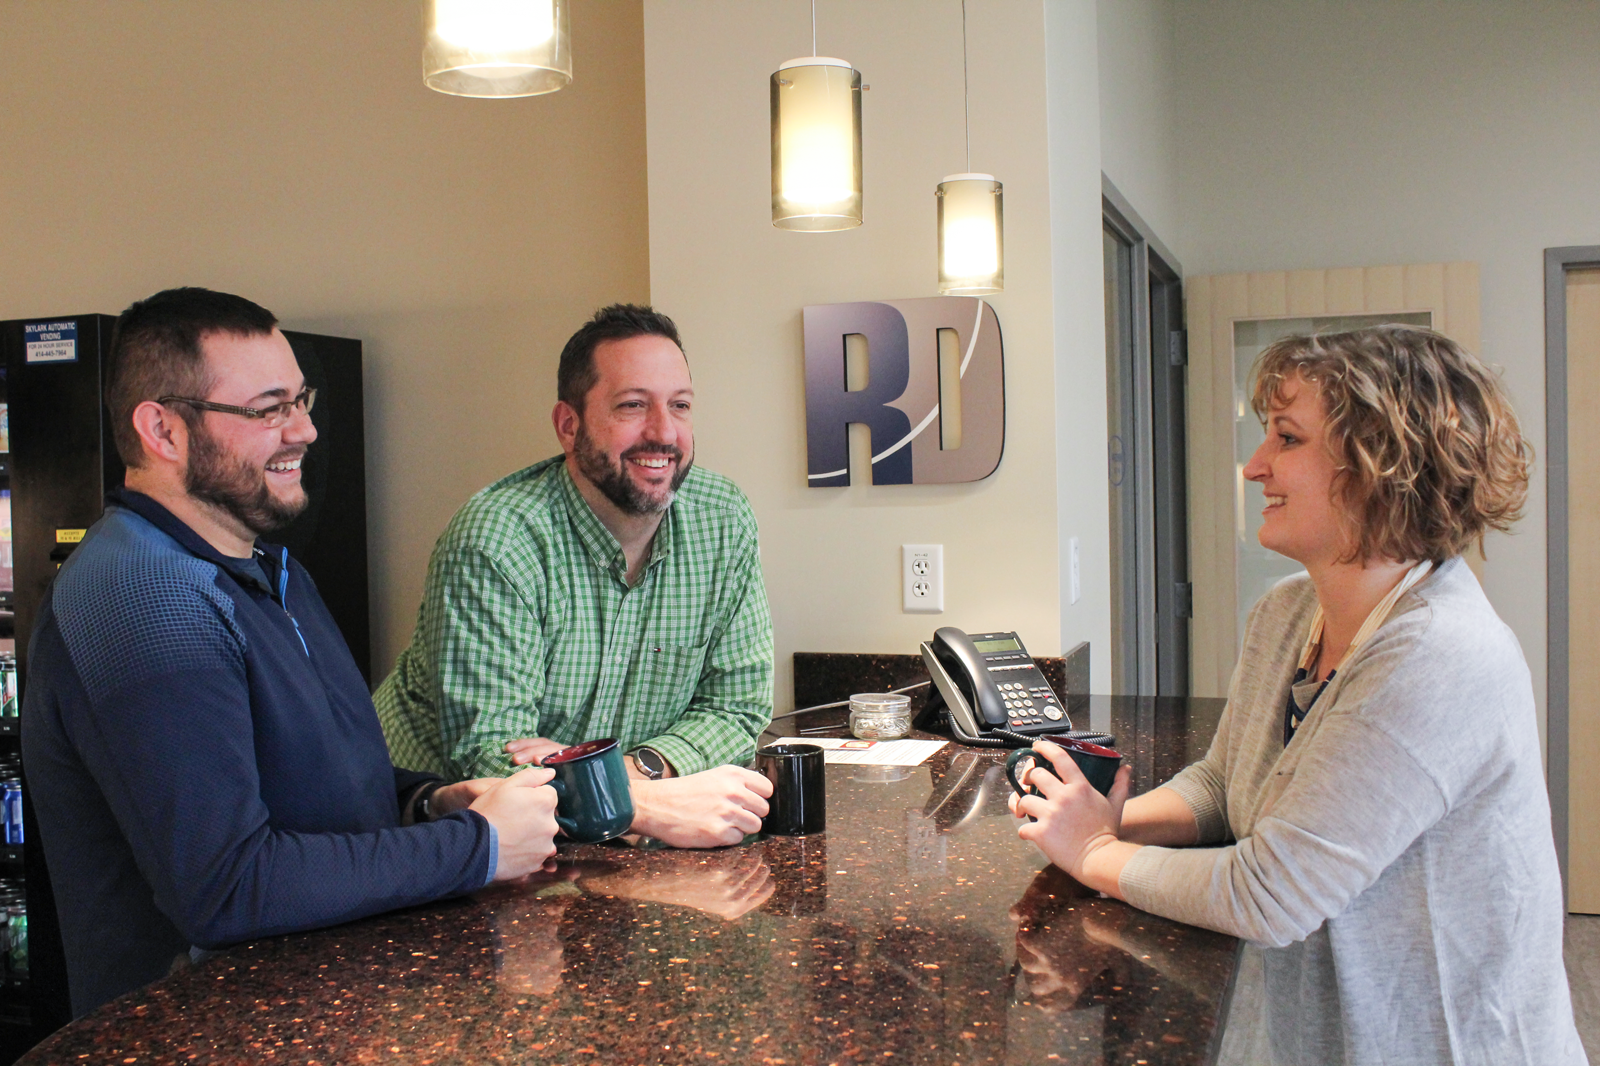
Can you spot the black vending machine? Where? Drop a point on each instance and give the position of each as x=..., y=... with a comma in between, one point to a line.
x=57, y=461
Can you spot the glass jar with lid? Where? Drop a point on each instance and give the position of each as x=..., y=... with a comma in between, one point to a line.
x=880, y=715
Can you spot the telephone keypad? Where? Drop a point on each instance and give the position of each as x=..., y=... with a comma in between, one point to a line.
x=1027, y=702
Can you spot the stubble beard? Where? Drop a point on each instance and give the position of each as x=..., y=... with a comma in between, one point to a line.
x=230, y=484
x=613, y=480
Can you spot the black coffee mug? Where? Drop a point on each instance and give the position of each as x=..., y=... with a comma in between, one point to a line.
x=1099, y=764
x=799, y=796
x=593, y=801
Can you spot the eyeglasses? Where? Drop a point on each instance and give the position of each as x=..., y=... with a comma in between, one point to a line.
x=271, y=417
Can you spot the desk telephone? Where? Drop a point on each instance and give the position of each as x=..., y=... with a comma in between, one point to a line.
x=991, y=691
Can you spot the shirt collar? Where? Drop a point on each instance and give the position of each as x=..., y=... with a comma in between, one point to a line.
x=603, y=548
x=157, y=515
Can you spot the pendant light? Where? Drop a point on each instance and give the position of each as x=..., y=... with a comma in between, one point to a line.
x=497, y=48
x=971, y=244
x=816, y=142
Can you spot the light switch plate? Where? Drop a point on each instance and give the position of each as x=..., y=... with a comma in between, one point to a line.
x=1075, y=590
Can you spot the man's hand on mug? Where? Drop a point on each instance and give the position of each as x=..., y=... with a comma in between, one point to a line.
x=710, y=809
x=531, y=750
x=522, y=809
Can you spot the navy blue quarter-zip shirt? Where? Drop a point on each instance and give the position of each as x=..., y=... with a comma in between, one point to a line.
x=205, y=761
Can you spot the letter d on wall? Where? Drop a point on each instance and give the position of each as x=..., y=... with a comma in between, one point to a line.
x=901, y=403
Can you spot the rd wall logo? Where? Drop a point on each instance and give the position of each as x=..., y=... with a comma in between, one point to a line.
x=901, y=403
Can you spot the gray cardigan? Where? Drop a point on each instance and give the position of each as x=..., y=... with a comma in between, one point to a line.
x=1396, y=857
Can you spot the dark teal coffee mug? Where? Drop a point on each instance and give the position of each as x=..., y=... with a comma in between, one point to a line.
x=1098, y=763
x=593, y=802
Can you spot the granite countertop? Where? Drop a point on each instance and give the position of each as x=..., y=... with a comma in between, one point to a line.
x=916, y=929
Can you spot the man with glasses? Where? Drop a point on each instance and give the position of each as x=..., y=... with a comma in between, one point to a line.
x=611, y=591
x=202, y=753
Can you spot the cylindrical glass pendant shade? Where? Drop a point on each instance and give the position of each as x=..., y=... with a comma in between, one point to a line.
x=971, y=247
x=496, y=48
x=816, y=145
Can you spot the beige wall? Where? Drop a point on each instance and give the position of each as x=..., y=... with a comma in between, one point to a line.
x=288, y=151
x=1138, y=109
x=737, y=287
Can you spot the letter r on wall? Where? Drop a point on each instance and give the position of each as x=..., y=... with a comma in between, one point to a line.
x=830, y=407
x=900, y=404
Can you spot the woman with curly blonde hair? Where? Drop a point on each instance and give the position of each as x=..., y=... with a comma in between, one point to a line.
x=1375, y=792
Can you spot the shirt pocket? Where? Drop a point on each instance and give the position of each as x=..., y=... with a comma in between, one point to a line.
x=668, y=676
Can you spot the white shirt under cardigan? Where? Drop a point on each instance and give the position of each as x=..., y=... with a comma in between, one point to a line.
x=1396, y=858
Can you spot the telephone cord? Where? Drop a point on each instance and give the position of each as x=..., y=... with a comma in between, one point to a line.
x=846, y=703
x=1006, y=738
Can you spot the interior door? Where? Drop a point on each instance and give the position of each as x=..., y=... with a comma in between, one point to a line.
x=1583, y=592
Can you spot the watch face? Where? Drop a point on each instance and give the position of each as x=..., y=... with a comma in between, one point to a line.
x=650, y=762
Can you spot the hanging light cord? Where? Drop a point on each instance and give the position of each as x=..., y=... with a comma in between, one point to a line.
x=966, y=106
x=814, y=27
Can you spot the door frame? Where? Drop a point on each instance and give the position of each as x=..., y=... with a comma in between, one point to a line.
x=1557, y=263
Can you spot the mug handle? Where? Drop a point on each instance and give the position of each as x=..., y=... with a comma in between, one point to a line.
x=566, y=825
x=1011, y=768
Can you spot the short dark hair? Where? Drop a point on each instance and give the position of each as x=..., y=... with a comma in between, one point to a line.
x=618, y=322
x=155, y=352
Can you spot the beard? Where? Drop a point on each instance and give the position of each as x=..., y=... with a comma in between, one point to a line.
x=232, y=485
x=613, y=481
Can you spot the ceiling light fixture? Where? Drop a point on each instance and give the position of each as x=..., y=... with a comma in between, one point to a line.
x=816, y=142
x=497, y=48
x=971, y=216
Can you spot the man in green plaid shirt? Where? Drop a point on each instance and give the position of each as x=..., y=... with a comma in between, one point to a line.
x=613, y=590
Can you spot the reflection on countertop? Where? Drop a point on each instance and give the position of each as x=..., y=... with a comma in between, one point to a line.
x=917, y=929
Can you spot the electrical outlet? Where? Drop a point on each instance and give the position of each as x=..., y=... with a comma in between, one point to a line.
x=922, y=578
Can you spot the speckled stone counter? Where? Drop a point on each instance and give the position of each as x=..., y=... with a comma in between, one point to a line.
x=917, y=929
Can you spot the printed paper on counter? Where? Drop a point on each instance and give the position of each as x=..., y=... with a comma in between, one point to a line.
x=872, y=752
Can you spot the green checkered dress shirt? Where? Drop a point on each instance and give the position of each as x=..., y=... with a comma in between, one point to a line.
x=528, y=628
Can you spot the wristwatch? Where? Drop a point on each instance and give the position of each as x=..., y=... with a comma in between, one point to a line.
x=650, y=763
x=422, y=802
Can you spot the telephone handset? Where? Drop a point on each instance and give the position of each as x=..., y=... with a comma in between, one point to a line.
x=991, y=688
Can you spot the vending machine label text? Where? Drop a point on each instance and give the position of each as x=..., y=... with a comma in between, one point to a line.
x=51, y=342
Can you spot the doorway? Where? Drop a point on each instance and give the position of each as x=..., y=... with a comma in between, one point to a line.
x=1146, y=464
x=1572, y=471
